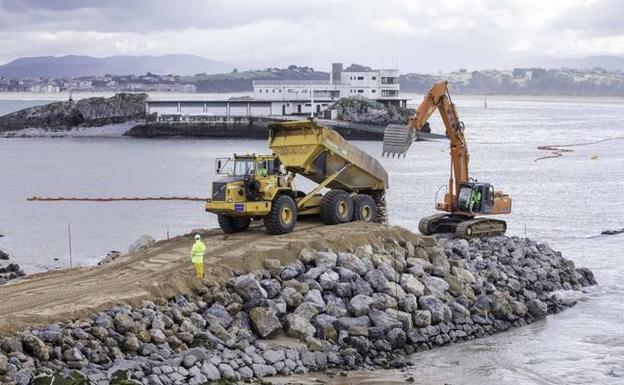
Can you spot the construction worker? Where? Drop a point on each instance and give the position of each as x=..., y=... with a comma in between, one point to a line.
x=476, y=199
x=197, y=256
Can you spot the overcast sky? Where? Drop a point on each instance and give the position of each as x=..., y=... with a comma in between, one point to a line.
x=413, y=35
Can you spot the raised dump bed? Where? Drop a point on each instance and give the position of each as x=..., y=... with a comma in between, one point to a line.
x=260, y=186
x=315, y=151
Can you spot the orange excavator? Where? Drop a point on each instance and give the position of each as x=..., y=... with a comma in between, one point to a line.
x=466, y=200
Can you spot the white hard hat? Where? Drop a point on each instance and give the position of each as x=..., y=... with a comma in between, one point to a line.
x=197, y=237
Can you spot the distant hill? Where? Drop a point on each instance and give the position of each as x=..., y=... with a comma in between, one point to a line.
x=73, y=66
x=610, y=63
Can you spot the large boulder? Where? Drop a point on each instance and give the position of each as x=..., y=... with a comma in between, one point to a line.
x=412, y=285
x=36, y=347
x=248, y=287
x=439, y=311
x=360, y=305
x=265, y=321
x=351, y=262
x=144, y=242
x=537, y=309
x=299, y=326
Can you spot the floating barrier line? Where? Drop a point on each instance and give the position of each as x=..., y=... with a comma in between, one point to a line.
x=81, y=199
x=557, y=150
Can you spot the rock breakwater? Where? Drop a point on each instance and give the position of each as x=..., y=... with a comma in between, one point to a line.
x=369, y=307
x=361, y=110
x=90, y=112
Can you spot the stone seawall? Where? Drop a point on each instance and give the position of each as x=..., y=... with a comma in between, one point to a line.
x=370, y=307
x=235, y=127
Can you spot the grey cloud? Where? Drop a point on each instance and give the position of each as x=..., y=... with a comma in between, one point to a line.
x=604, y=17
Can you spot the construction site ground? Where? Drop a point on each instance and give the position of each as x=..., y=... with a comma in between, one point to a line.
x=165, y=270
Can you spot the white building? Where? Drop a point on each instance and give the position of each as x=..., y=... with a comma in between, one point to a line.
x=297, y=97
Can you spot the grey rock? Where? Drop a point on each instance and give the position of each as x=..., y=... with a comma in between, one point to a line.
x=360, y=305
x=436, y=286
x=397, y=338
x=404, y=318
x=377, y=279
x=4, y=364
x=210, y=371
x=157, y=336
x=273, y=356
x=537, y=309
x=272, y=287
x=220, y=312
x=384, y=320
x=124, y=323
x=299, y=326
x=131, y=343
x=189, y=361
x=315, y=272
x=345, y=323
x=343, y=289
x=261, y=371
x=292, y=297
x=394, y=289
x=351, y=262
x=307, y=310
x=435, y=306
x=315, y=297
x=265, y=321
x=226, y=371
x=389, y=271
x=328, y=280
x=23, y=376
x=360, y=286
x=36, y=347
x=325, y=259
x=412, y=285
x=422, y=318
x=143, y=243
x=409, y=303
x=248, y=287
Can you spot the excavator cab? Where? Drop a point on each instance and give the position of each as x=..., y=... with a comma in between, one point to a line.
x=475, y=198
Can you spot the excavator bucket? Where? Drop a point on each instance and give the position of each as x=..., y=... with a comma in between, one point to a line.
x=397, y=140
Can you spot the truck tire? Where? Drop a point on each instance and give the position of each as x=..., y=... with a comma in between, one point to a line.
x=231, y=225
x=336, y=207
x=283, y=216
x=364, y=208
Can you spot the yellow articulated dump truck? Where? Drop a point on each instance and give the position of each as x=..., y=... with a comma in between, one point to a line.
x=263, y=186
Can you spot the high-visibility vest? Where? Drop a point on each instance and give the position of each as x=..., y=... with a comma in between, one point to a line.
x=197, y=252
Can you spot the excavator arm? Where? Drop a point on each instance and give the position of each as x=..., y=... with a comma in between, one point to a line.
x=398, y=138
x=465, y=199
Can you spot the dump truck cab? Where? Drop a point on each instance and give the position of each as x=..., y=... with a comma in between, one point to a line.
x=262, y=187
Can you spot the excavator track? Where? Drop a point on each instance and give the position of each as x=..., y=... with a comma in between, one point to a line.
x=480, y=227
x=462, y=226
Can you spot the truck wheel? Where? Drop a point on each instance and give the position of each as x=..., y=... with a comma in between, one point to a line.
x=336, y=207
x=231, y=225
x=283, y=216
x=364, y=208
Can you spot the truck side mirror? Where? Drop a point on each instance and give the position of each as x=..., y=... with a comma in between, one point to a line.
x=219, y=166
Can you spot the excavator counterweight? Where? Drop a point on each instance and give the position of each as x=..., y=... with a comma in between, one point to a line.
x=466, y=199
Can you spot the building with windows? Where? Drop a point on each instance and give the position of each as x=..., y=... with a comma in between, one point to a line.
x=298, y=96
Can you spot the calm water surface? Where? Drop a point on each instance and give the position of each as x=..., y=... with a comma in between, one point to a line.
x=566, y=202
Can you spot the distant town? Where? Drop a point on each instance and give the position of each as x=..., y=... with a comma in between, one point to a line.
x=519, y=81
